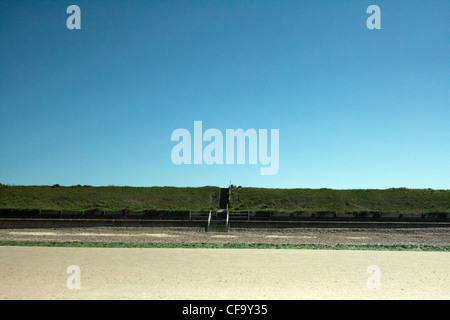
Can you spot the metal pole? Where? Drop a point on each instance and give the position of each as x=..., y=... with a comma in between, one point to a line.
x=209, y=221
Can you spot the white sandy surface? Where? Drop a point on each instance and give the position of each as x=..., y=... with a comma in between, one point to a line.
x=40, y=273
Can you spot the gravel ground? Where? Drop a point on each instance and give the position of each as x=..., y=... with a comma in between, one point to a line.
x=322, y=236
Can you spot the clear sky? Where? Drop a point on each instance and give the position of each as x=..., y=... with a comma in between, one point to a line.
x=355, y=108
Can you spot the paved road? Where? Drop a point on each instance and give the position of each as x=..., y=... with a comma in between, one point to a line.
x=40, y=273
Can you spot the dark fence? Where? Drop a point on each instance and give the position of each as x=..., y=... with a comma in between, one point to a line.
x=234, y=216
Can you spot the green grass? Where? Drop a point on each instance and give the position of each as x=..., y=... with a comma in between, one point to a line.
x=109, y=198
x=225, y=246
x=399, y=200
x=395, y=200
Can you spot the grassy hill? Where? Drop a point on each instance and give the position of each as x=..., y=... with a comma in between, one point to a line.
x=400, y=200
x=108, y=198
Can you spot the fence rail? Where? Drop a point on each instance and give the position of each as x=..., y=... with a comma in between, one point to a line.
x=10, y=218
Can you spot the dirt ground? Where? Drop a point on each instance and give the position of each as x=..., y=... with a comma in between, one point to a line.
x=40, y=273
x=325, y=236
x=231, y=274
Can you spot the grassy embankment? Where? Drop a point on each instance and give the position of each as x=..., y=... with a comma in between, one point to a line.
x=399, y=200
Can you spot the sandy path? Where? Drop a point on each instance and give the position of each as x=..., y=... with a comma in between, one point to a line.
x=40, y=273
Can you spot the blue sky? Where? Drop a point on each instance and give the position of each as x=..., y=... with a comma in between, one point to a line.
x=355, y=108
